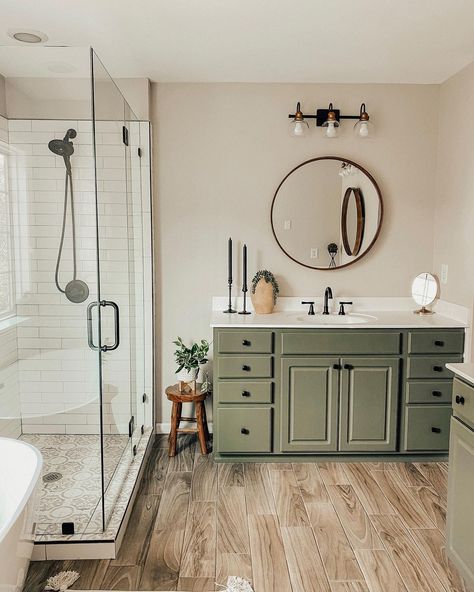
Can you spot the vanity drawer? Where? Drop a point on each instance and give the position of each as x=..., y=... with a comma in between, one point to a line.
x=340, y=343
x=236, y=342
x=429, y=391
x=435, y=342
x=463, y=401
x=427, y=427
x=244, y=392
x=431, y=366
x=244, y=367
x=244, y=430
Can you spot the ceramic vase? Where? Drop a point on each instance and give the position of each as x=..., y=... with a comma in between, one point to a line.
x=262, y=300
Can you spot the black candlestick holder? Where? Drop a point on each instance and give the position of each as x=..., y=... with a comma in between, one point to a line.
x=245, y=311
x=230, y=310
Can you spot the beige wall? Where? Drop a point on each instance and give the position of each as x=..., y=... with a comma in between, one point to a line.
x=454, y=213
x=220, y=152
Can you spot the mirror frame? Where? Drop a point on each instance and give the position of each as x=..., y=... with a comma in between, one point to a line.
x=380, y=220
x=359, y=202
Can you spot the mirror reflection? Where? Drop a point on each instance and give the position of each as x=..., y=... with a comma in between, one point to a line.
x=424, y=291
x=327, y=213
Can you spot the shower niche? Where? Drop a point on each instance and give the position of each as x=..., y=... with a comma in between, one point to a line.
x=76, y=324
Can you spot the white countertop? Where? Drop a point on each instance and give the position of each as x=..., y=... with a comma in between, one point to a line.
x=399, y=319
x=464, y=370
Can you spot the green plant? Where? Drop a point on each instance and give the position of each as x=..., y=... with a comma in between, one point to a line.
x=268, y=276
x=188, y=358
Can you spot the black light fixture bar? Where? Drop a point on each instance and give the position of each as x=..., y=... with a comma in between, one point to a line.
x=322, y=115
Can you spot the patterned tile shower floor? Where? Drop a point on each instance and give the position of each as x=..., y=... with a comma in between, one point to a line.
x=75, y=495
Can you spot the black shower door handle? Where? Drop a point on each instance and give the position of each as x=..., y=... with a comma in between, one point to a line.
x=115, y=307
x=90, y=339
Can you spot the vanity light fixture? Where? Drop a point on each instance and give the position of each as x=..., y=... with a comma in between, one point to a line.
x=298, y=126
x=329, y=120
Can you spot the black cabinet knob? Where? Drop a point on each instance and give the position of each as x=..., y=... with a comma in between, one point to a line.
x=348, y=366
x=437, y=368
x=246, y=342
x=460, y=400
x=245, y=368
x=245, y=393
x=336, y=366
x=436, y=430
x=245, y=431
x=439, y=343
x=436, y=393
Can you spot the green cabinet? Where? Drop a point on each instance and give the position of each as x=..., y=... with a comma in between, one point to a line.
x=309, y=399
x=369, y=403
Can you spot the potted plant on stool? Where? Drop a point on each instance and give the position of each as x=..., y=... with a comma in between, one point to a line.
x=189, y=359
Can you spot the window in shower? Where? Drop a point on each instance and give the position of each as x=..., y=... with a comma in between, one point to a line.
x=6, y=266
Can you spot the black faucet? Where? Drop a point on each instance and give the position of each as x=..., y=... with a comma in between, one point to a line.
x=327, y=295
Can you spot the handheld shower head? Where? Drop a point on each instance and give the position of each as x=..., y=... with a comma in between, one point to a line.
x=61, y=147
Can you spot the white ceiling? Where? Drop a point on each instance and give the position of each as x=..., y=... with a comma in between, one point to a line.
x=398, y=41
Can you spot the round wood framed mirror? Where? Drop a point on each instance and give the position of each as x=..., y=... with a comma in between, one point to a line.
x=327, y=213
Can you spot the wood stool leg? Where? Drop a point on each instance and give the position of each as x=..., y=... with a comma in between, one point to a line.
x=200, y=426
x=174, y=429
x=204, y=419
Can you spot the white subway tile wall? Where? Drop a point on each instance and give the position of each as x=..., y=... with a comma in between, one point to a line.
x=58, y=374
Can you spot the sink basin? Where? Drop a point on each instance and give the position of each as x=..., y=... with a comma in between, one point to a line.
x=335, y=319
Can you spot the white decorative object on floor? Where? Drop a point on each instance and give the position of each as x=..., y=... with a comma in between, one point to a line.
x=236, y=584
x=61, y=581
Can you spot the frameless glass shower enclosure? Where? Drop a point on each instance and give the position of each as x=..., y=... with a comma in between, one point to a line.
x=75, y=283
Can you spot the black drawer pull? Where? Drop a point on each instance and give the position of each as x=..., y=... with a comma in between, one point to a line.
x=336, y=366
x=348, y=366
x=437, y=368
x=245, y=431
x=439, y=343
x=246, y=368
x=460, y=400
x=437, y=394
x=246, y=342
x=436, y=430
x=245, y=393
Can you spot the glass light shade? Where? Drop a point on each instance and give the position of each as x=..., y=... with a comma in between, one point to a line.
x=298, y=128
x=330, y=129
x=364, y=129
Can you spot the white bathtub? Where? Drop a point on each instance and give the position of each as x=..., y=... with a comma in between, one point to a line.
x=20, y=469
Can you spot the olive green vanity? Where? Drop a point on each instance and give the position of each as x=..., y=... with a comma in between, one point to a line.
x=294, y=392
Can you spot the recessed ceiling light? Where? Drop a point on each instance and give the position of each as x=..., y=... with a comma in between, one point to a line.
x=28, y=36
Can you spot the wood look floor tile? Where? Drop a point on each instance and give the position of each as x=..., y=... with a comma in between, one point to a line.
x=367, y=490
x=354, y=520
x=155, y=472
x=289, y=503
x=408, y=473
x=432, y=543
x=184, y=459
x=163, y=560
x=233, y=564
x=433, y=505
x=258, y=490
x=232, y=529
x=404, y=502
x=437, y=476
x=310, y=483
x=204, y=481
x=230, y=475
x=336, y=552
x=269, y=567
x=304, y=562
x=199, y=549
x=379, y=571
x=348, y=587
x=196, y=584
x=174, y=501
x=412, y=565
x=333, y=473
x=121, y=578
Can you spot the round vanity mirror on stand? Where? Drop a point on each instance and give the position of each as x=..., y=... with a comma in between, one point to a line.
x=424, y=291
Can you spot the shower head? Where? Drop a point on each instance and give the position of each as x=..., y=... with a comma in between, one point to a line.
x=61, y=147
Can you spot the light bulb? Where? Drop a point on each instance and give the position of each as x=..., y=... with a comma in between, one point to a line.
x=298, y=128
x=363, y=129
x=331, y=131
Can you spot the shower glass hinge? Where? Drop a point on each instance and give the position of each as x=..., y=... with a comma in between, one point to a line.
x=131, y=426
x=125, y=135
x=135, y=450
x=67, y=528
x=142, y=429
x=139, y=152
x=144, y=398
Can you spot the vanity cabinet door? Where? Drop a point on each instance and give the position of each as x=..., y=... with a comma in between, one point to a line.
x=369, y=402
x=309, y=404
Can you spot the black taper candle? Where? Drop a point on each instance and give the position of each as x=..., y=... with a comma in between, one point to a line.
x=244, y=283
x=229, y=261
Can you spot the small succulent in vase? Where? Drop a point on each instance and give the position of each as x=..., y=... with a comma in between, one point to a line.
x=189, y=360
x=265, y=291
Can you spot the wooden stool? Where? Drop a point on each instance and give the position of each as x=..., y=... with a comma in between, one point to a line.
x=178, y=398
